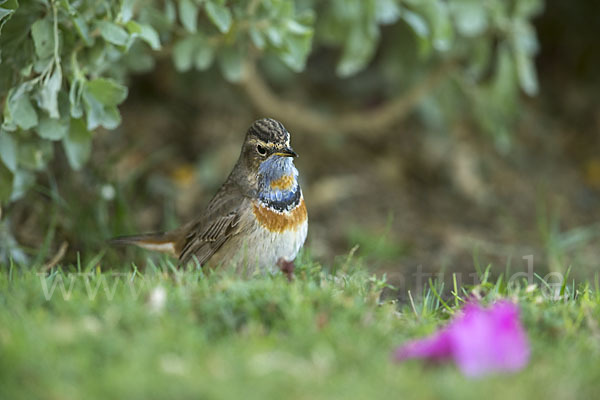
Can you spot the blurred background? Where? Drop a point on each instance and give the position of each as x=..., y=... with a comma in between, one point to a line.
x=419, y=148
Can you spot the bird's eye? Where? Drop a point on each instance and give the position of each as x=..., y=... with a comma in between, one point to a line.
x=261, y=150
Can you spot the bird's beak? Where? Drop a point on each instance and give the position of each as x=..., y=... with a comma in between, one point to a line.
x=287, y=152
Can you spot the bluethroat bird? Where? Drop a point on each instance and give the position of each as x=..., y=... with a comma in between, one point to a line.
x=257, y=219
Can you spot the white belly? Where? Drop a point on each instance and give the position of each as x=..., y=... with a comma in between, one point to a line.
x=260, y=249
x=272, y=246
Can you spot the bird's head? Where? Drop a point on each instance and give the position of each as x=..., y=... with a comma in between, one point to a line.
x=268, y=157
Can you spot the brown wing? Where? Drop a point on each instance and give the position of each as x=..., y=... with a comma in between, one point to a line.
x=220, y=222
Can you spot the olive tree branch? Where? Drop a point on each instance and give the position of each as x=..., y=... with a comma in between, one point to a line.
x=370, y=122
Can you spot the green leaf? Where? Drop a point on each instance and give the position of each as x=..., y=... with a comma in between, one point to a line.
x=77, y=144
x=386, y=11
x=100, y=98
x=49, y=92
x=219, y=15
x=188, y=14
x=22, y=181
x=480, y=59
x=107, y=91
x=257, y=38
x=43, y=38
x=205, y=55
x=99, y=114
x=127, y=8
x=358, y=50
x=6, y=183
x=6, y=11
x=169, y=14
x=113, y=33
x=146, y=32
x=528, y=8
x=470, y=16
x=526, y=72
x=35, y=155
x=75, y=92
x=52, y=129
x=8, y=150
x=138, y=60
x=497, y=102
x=524, y=37
x=416, y=22
x=230, y=61
x=525, y=46
x=297, y=28
x=193, y=50
x=275, y=35
x=150, y=36
x=438, y=16
x=19, y=109
x=296, y=51
x=82, y=29
x=183, y=53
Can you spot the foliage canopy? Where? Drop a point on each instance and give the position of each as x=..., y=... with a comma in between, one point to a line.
x=65, y=63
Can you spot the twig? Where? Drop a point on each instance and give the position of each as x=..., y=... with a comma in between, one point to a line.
x=358, y=122
x=412, y=305
x=57, y=257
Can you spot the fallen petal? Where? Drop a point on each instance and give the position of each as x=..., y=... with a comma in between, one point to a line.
x=489, y=340
x=435, y=347
x=479, y=340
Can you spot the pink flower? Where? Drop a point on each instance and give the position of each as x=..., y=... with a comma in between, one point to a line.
x=479, y=340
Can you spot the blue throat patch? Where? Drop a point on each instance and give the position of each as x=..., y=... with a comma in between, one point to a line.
x=270, y=170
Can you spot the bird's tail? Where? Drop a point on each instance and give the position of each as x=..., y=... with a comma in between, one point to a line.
x=162, y=242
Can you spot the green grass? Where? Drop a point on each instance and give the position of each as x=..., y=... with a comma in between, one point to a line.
x=325, y=335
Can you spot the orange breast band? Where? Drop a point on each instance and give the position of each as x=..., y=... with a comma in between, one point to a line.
x=275, y=221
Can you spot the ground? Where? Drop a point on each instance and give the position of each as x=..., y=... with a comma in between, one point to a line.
x=167, y=333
